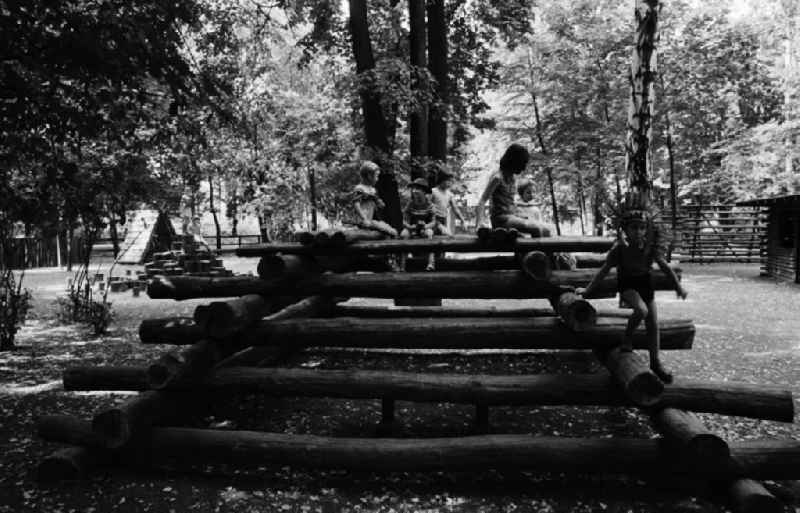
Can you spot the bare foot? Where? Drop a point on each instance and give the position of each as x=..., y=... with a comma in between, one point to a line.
x=661, y=372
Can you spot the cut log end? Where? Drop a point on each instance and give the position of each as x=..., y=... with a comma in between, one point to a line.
x=644, y=389
x=749, y=496
x=536, y=264
x=69, y=464
x=709, y=449
x=112, y=428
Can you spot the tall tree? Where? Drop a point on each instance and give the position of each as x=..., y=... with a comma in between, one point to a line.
x=437, y=63
x=639, y=140
x=418, y=117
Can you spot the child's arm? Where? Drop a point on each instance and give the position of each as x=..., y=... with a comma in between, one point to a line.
x=665, y=267
x=601, y=273
x=494, y=181
x=456, y=211
x=362, y=212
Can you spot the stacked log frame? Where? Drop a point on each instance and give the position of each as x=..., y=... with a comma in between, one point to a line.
x=241, y=345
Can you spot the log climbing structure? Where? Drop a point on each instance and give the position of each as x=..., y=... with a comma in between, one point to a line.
x=240, y=343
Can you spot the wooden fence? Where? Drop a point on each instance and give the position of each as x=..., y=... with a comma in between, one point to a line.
x=719, y=233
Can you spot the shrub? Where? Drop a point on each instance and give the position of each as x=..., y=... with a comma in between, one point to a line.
x=14, y=305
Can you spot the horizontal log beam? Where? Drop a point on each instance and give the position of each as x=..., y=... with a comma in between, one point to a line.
x=170, y=330
x=758, y=459
x=723, y=398
x=690, y=438
x=466, y=284
x=373, y=263
x=381, y=312
x=470, y=244
x=459, y=333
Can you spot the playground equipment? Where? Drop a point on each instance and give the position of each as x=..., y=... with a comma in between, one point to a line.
x=235, y=346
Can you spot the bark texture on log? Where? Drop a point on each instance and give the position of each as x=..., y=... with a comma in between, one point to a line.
x=461, y=333
x=723, y=398
x=189, y=287
x=188, y=365
x=466, y=284
x=392, y=312
x=634, y=376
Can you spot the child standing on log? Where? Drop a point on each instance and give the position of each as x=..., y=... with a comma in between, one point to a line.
x=501, y=189
x=366, y=201
x=633, y=256
x=443, y=202
x=418, y=218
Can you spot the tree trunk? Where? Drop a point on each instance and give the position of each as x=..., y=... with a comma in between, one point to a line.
x=312, y=187
x=418, y=117
x=221, y=319
x=438, y=66
x=112, y=228
x=638, y=144
x=540, y=138
x=214, y=211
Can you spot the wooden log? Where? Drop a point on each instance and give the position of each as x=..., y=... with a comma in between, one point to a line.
x=551, y=454
x=222, y=319
x=105, y=378
x=68, y=430
x=188, y=287
x=537, y=265
x=170, y=330
x=759, y=459
x=342, y=238
x=304, y=238
x=117, y=426
x=638, y=382
x=576, y=313
x=457, y=243
x=322, y=239
x=372, y=263
x=286, y=266
x=69, y=464
x=458, y=333
x=749, y=496
x=477, y=284
x=483, y=234
x=188, y=365
x=690, y=438
x=724, y=398
x=381, y=312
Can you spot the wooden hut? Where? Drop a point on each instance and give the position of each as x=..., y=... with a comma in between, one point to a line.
x=780, y=247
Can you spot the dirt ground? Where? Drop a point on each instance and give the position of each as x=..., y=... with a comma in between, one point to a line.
x=747, y=331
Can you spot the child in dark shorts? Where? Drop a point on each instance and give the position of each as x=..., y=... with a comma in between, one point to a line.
x=633, y=256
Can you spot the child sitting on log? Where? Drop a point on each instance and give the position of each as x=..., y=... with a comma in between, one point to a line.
x=443, y=202
x=418, y=218
x=633, y=256
x=501, y=189
x=366, y=201
x=526, y=208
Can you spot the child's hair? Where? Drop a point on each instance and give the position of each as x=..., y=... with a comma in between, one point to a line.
x=368, y=168
x=523, y=185
x=515, y=158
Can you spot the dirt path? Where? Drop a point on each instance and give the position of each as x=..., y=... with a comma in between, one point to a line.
x=747, y=330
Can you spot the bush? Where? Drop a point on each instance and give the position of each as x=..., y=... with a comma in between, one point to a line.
x=14, y=305
x=79, y=305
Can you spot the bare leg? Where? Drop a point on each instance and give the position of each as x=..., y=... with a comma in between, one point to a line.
x=640, y=312
x=431, y=262
x=654, y=343
x=525, y=226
